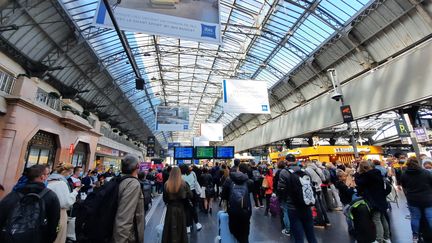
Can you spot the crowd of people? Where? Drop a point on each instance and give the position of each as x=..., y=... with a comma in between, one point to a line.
x=109, y=207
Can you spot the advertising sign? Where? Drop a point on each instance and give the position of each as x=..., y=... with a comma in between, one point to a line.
x=144, y=166
x=346, y=113
x=402, y=128
x=172, y=118
x=421, y=134
x=186, y=19
x=245, y=96
x=212, y=131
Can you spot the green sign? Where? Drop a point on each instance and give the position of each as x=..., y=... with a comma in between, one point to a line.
x=202, y=152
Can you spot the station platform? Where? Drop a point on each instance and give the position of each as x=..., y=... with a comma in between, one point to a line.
x=267, y=229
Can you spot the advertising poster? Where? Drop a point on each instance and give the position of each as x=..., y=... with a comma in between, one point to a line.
x=421, y=134
x=185, y=19
x=212, y=131
x=245, y=96
x=172, y=118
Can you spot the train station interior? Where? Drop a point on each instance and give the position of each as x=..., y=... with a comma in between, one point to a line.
x=97, y=91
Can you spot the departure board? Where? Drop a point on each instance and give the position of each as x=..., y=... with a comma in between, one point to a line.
x=204, y=152
x=185, y=152
x=224, y=152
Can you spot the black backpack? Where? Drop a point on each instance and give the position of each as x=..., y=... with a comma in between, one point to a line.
x=239, y=200
x=96, y=215
x=26, y=220
x=147, y=189
x=256, y=175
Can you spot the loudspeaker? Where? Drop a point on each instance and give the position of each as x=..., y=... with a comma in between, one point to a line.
x=139, y=84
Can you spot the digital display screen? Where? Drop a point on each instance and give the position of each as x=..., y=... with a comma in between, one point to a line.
x=183, y=152
x=224, y=152
x=204, y=152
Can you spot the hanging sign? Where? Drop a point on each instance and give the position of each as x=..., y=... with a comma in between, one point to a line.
x=346, y=113
x=421, y=134
x=212, y=131
x=172, y=118
x=402, y=128
x=185, y=19
x=151, y=141
x=245, y=96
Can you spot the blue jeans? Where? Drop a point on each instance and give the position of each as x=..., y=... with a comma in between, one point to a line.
x=285, y=218
x=416, y=215
x=302, y=221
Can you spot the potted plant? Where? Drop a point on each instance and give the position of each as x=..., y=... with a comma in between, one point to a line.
x=85, y=114
x=54, y=95
x=67, y=108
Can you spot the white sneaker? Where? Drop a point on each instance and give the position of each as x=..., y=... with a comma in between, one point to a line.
x=387, y=241
x=199, y=226
x=188, y=229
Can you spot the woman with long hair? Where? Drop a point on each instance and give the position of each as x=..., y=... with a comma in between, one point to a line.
x=176, y=195
x=58, y=183
x=417, y=185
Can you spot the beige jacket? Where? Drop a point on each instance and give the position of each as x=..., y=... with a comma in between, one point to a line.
x=131, y=203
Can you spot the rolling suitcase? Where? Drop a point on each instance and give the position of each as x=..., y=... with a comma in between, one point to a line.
x=225, y=235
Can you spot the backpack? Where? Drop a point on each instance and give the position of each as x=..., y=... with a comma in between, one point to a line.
x=239, y=200
x=159, y=177
x=327, y=176
x=26, y=220
x=96, y=215
x=302, y=191
x=256, y=176
x=147, y=189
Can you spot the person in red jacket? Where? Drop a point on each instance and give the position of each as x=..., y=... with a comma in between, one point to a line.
x=268, y=188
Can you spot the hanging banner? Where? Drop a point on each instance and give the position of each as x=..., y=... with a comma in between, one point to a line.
x=186, y=19
x=245, y=96
x=172, y=118
x=200, y=141
x=212, y=131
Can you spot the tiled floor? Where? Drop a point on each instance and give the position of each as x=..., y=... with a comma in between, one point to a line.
x=267, y=229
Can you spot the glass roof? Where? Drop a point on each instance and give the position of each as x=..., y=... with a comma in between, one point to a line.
x=263, y=40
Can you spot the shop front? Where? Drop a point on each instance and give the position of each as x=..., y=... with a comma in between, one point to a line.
x=108, y=158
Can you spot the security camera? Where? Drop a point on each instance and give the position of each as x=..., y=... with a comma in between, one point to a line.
x=336, y=96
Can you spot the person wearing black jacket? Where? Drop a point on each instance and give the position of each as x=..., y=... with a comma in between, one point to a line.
x=239, y=222
x=300, y=216
x=285, y=223
x=417, y=185
x=37, y=175
x=209, y=192
x=370, y=185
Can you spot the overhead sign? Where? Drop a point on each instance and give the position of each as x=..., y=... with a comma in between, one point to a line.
x=172, y=118
x=186, y=19
x=172, y=145
x=245, y=96
x=151, y=141
x=212, y=131
x=421, y=134
x=402, y=128
x=200, y=141
x=347, y=113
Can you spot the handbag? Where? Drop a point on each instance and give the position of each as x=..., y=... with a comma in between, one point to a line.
x=265, y=184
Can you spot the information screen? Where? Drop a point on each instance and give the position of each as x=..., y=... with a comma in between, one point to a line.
x=183, y=152
x=224, y=152
x=204, y=152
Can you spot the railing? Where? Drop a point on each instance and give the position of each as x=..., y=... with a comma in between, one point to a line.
x=48, y=99
x=114, y=136
x=7, y=82
x=51, y=100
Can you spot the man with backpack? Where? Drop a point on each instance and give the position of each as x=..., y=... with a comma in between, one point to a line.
x=115, y=212
x=236, y=191
x=257, y=182
x=41, y=225
x=295, y=189
x=146, y=189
